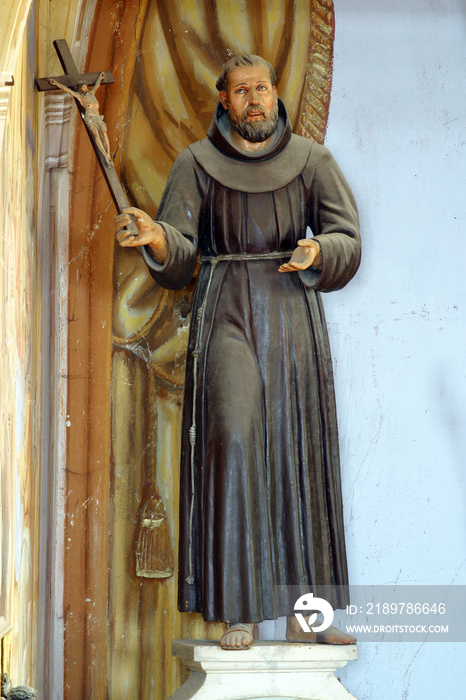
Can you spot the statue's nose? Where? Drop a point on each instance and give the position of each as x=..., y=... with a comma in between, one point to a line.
x=253, y=97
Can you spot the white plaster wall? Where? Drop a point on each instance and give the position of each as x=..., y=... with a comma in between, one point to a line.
x=398, y=129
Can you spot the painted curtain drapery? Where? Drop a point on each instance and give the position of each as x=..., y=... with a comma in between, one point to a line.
x=171, y=51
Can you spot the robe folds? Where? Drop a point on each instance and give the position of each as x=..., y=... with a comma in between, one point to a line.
x=260, y=495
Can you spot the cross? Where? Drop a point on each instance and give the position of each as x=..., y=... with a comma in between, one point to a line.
x=72, y=80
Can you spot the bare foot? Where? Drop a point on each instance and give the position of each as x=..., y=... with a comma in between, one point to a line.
x=238, y=636
x=332, y=635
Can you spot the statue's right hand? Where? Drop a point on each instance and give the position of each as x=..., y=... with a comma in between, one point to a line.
x=149, y=232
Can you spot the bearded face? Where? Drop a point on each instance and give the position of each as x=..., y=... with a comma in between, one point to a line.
x=254, y=129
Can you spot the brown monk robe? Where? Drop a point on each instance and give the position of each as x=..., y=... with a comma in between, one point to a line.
x=260, y=501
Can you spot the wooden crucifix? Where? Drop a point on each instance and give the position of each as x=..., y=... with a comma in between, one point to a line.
x=77, y=84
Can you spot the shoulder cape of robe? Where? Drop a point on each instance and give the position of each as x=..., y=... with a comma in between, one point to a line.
x=260, y=499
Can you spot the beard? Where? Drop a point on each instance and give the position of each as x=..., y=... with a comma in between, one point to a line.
x=255, y=132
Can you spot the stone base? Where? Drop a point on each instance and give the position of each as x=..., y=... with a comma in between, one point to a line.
x=278, y=670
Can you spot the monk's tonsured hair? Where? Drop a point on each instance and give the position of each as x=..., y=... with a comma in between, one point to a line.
x=245, y=59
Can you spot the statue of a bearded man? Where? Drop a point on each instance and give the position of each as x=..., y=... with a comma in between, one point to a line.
x=260, y=500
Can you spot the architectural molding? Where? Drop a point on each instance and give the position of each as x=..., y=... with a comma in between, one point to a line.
x=53, y=182
x=5, y=91
x=58, y=123
x=58, y=113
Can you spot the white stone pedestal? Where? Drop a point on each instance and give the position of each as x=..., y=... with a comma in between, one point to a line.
x=267, y=670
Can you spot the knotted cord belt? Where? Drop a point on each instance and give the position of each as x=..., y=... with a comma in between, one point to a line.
x=214, y=259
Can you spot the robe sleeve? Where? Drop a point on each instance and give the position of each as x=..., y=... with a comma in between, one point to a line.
x=178, y=214
x=334, y=222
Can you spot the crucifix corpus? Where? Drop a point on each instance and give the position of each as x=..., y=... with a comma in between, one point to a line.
x=77, y=85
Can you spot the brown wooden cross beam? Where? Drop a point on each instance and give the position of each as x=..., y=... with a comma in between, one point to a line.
x=72, y=83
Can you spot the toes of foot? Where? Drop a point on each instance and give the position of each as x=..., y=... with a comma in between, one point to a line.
x=236, y=639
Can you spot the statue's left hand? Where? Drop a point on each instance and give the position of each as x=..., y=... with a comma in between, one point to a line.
x=306, y=254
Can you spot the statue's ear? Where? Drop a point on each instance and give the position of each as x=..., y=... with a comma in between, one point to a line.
x=222, y=96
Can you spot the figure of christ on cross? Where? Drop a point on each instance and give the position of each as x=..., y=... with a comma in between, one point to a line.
x=91, y=117
x=77, y=85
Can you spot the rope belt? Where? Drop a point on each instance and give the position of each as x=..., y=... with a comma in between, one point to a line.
x=212, y=260
x=234, y=257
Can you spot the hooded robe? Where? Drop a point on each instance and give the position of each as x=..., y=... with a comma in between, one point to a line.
x=260, y=487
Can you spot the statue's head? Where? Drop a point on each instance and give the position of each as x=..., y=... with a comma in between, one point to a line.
x=82, y=87
x=245, y=60
x=247, y=90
